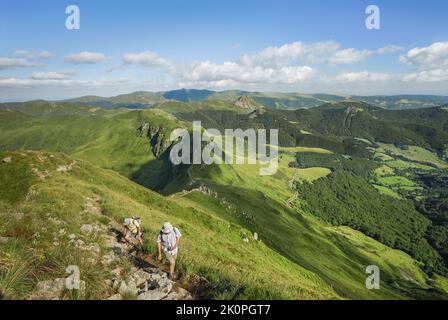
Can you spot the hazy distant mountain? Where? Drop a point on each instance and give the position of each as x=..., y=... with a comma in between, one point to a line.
x=275, y=100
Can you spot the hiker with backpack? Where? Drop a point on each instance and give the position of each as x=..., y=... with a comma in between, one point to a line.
x=168, y=241
x=133, y=229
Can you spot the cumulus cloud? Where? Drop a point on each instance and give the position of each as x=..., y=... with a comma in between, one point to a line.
x=54, y=75
x=147, y=58
x=389, y=49
x=240, y=73
x=85, y=57
x=290, y=52
x=33, y=54
x=431, y=63
x=9, y=63
x=348, y=56
x=426, y=58
x=14, y=82
x=362, y=76
x=432, y=75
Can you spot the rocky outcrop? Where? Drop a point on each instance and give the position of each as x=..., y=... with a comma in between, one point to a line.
x=54, y=289
x=157, y=137
x=245, y=102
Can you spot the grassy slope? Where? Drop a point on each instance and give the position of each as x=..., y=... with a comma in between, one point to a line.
x=338, y=255
x=291, y=239
x=212, y=246
x=414, y=153
x=109, y=141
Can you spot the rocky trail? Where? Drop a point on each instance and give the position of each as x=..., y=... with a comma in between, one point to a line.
x=146, y=279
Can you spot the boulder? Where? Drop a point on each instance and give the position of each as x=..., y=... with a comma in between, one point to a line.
x=50, y=289
x=140, y=277
x=117, y=272
x=165, y=285
x=7, y=160
x=179, y=294
x=87, y=228
x=152, y=295
x=128, y=288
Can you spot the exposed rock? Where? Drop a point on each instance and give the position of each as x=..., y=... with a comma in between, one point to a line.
x=128, y=288
x=50, y=289
x=115, y=297
x=87, y=228
x=108, y=259
x=165, y=285
x=141, y=277
x=117, y=272
x=7, y=160
x=255, y=236
x=245, y=102
x=152, y=295
x=109, y=241
x=66, y=168
x=179, y=294
x=93, y=206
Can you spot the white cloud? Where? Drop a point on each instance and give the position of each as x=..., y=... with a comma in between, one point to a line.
x=389, y=49
x=291, y=52
x=434, y=56
x=431, y=63
x=362, y=76
x=147, y=58
x=433, y=75
x=240, y=73
x=348, y=56
x=54, y=75
x=85, y=57
x=33, y=54
x=8, y=63
x=30, y=82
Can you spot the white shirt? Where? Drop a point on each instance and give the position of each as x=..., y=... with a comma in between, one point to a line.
x=169, y=240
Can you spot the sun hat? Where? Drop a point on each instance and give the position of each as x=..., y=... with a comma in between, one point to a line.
x=167, y=227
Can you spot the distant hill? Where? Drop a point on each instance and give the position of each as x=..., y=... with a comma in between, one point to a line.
x=274, y=100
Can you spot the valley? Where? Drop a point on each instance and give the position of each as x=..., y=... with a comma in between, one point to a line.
x=356, y=185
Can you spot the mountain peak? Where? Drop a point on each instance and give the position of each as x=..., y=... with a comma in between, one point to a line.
x=246, y=102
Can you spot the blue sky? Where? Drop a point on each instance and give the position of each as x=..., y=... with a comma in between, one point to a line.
x=303, y=46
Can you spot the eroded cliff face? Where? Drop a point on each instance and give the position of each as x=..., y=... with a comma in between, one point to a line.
x=157, y=135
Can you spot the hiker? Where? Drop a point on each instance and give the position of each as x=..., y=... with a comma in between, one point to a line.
x=168, y=241
x=133, y=229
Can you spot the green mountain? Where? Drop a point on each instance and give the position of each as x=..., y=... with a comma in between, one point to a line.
x=273, y=100
x=353, y=189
